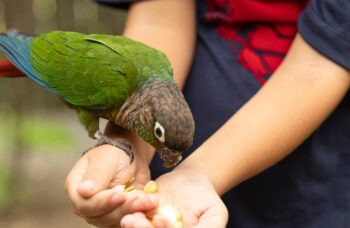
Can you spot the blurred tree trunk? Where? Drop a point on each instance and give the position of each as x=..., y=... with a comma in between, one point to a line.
x=111, y=20
x=65, y=15
x=14, y=8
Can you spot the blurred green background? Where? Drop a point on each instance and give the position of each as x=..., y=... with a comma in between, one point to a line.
x=40, y=138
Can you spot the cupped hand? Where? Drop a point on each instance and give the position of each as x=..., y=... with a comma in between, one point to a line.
x=192, y=194
x=92, y=183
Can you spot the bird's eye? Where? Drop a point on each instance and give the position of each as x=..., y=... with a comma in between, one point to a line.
x=159, y=132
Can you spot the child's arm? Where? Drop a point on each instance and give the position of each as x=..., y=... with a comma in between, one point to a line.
x=168, y=25
x=299, y=96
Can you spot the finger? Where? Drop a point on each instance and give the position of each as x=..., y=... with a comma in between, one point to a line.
x=103, y=165
x=74, y=178
x=137, y=219
x=134, y=202
x=159, y=221
x=99, y=204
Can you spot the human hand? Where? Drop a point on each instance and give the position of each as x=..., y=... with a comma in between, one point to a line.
x=91, y=184
x=192, y=194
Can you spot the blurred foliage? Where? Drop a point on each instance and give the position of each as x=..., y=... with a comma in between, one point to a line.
x=4, y=190
x=34, y=123
x=35, y=134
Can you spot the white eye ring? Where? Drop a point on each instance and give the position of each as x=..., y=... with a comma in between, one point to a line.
x=159, y=132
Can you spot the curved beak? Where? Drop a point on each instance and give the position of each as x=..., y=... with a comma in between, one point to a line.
x=170, y=157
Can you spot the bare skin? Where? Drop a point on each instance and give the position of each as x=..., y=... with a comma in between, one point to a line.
x=300, y=95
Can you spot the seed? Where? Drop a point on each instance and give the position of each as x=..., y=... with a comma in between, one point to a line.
x=167, y=210
x=129, y=188
x=150, y=187
x=172, y=214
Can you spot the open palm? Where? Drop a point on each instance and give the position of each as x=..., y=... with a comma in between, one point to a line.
x=192, y=194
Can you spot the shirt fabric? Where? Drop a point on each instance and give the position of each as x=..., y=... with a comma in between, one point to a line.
x=239, y=45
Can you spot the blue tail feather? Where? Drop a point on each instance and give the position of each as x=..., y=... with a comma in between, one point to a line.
x=16, y=47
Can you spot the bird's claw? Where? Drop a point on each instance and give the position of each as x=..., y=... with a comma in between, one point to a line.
x=117, y=142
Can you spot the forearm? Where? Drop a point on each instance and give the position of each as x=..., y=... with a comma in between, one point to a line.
x=290, y=106
x=168, y=25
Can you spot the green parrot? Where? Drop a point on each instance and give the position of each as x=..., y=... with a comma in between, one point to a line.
x=110, y=77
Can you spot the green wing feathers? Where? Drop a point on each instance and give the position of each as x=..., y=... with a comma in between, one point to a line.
x=83, y=70
x=151, y=64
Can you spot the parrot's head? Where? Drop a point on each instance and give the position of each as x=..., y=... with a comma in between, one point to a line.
x=173, y=124
x=160, y=115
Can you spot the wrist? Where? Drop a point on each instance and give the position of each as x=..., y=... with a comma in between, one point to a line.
x=223, y=174
x=192, y=175
x=141, y=149
x=197, y=172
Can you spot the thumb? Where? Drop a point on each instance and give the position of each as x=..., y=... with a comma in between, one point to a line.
x=104, y=168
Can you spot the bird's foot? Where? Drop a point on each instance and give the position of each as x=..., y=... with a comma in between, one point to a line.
x=117, y=142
